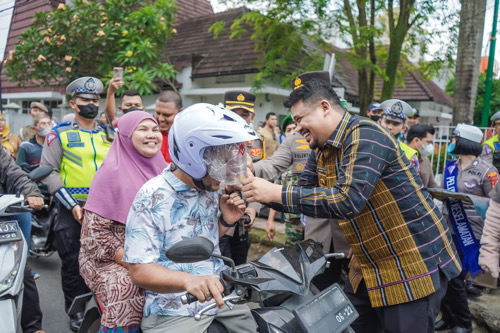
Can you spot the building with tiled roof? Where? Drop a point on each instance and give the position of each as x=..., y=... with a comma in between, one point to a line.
x=435, y=105
x=208, y=66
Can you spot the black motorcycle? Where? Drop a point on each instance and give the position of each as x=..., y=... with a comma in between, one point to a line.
x=42, y=242
x=280, y=283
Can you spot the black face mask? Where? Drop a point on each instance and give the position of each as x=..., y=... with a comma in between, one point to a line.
x=375, y=118
x=88, y=111
x=133, y=108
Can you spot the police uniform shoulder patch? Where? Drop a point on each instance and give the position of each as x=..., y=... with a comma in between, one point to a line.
x=488, y=150
x=493, y=177
x=50, y=138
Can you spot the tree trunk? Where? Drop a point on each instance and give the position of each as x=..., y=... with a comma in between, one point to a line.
x=397, y=38
x=470, y=41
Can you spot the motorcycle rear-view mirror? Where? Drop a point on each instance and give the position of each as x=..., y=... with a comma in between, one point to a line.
x=190, y=250
x=40, y=173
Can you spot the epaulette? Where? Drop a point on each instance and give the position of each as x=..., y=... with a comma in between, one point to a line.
x=62, y=127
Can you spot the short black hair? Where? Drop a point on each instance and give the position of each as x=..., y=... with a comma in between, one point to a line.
x=312, y=92
x=170, y=96
x=131, y=93
x=269, y=114
x=419, y=131
x=467, y=147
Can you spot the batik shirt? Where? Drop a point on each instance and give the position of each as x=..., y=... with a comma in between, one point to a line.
x=400, y=240
x=164, y=212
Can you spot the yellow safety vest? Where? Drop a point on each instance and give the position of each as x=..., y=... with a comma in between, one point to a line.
x=83, y=153
x=409, y=151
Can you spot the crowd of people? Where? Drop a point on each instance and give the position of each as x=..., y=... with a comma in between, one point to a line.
x=129, y=185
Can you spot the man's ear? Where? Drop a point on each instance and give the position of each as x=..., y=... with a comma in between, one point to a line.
x=73, y=104
x=326, y=106
x=252, y=115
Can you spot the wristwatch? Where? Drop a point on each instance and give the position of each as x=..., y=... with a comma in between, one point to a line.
x=224, y=223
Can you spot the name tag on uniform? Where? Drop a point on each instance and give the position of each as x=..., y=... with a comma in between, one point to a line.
x=76, y=144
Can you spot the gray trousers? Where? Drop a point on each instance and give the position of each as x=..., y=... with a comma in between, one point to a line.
x=237, y=320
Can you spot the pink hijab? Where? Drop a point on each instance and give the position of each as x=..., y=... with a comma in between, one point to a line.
x=123, y=172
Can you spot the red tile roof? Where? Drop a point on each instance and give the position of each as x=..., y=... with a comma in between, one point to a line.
x=22, y=17
x=415, y=87
x=195, y=45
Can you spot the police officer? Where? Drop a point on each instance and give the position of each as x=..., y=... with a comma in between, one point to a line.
x=394, y=114
x=374, y=112
x=491, y=147
x=472, y=175
x=236, y=242
x=75, y=150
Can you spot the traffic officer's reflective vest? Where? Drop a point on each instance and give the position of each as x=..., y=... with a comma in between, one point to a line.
x=495, y=145
x=411, y=154
x=83, y=153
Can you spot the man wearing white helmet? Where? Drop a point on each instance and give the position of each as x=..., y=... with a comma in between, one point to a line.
x=184, y=202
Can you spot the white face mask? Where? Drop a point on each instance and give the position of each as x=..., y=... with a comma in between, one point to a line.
x=426, y=149
x=44, y=131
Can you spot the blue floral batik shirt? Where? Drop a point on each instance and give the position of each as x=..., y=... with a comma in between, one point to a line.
x=164, y=212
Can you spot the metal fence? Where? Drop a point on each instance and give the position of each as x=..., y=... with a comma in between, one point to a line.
x=441, y=141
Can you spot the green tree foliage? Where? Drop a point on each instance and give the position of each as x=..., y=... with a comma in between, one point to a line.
x=478, y=108
x=90, y=38
x=379, y=33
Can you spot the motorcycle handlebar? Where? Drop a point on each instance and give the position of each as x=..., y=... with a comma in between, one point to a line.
x=18, y=209
x=188, y=298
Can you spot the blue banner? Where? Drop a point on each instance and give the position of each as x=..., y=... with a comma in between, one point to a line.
x=460, y=223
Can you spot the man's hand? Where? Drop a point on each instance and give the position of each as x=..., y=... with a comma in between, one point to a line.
x=35, y=202
x=201, y=286
x=270, y=230
x=252, y=213
x=250, y=164
x=232, y=207
x=256, y=189
x=114, y=85
x=77, y=212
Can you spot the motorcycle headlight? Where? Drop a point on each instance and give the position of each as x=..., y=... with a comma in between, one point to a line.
x=10, y=261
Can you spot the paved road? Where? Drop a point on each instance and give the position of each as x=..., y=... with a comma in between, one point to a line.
x=55, y=319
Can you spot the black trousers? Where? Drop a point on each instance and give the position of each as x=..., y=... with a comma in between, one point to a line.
x=235, y=247
x=31, y=315
x=68, y=247
x=454, y=306
x=412, y=317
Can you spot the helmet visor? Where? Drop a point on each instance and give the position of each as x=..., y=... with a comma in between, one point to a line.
x=226, y=163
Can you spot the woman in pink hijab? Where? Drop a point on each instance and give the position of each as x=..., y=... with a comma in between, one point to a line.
x=132, y=160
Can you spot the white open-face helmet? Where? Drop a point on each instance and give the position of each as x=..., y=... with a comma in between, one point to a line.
x=198, y=128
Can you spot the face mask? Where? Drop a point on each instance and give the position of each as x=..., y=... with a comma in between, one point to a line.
x=375, y=118
x=426, y=149
x=44, y=131
x=88, y=111
x=451, y=147
x=133, y=108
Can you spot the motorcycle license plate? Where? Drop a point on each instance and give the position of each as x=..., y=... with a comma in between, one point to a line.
x=9, y=231
x=328, y=311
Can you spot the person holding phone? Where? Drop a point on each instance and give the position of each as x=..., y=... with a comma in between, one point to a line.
x=131, y=99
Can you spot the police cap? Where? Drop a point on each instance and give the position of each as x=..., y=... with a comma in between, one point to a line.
x=374, y=106
x=85, y=87
x=238, y=99
x=496, y=117
x=396, y=110
x=468, y=132
x=301, y=79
